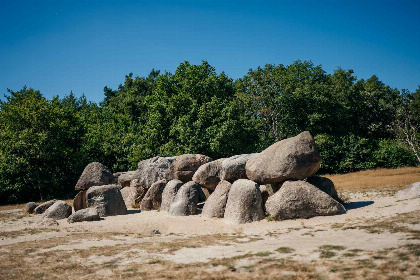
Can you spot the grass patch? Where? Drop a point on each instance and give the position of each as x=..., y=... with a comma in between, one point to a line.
x=332, y=247
x=414, y=249
x=285, y=250
x=327, y=254
x=263, y=254
x=26, y=231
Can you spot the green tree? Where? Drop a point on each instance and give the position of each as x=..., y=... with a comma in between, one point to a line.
x=194, y=110
x=39, y=147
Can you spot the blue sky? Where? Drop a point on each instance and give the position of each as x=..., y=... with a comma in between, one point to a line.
x=58, y=46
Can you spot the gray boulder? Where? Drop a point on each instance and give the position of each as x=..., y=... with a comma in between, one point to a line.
x=244, y=204
x=293, y=158
x=413, y=191
x=216, y=203
x=107, y=200
x=30, y=207
x=208, y=175
x=169, y=194
x=79, y=201
x=141, y=190
x=299, y=199
x=233, y=168
x=48, y=222
x=185, y=166
x=153, y=198
x=325, y=185
x=94, y=174
x=152, y=170
x=129, y=195
x=44, y=206
x=87, y=214
x=59, y=210
x=186, y=199
x=124, y=179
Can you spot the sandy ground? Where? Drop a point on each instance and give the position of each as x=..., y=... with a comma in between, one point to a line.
x=375, y=222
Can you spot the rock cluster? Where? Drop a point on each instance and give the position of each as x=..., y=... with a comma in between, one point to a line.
x=279, y=182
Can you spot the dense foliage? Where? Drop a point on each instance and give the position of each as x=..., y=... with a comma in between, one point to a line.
x=357, y=124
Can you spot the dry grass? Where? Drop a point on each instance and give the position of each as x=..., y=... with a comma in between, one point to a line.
x=391, y=179
x=24, y=262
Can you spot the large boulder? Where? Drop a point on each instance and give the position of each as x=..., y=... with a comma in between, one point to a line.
x=107, y=199
x=44, y=206
x=186, y=199
x=129, y=195
x=152, y=170
x=293, y=158
x=208, y=175
x=325, y=185
x=141, y=190
x=79, y=201
x=153, y=198
x=59, y=210
x=88, y=214
x=299, y=199
x=413, y=191
x=30, y=207
x=95, y=174
x=124, y=179
x=169, y=194
x=233, y=168
x=185, y=166
x=244, y=204
x=216, y=203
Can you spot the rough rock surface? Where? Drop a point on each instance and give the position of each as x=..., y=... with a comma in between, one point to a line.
x=208, y=175
x=47, y=222
x=185, y=166
x=79, y=201
x=30, y=207
x=95, y=174
x=44, y=206
x=59, y=210
x=129, y=195
x=153, y=198
x=299, y=199
x=216, y=203
x=152, y=170
x=186, y=199
x=244, y=204
x=233, y=168
x=293, y=158
x=141, y=190
x=169, y=194
x=107, y=199
x=325, y=185
x=88, y=214
x=268, y=190
x=125, y=178
x=412, y=191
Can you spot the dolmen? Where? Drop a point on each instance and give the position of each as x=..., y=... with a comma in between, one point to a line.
x=279, y=182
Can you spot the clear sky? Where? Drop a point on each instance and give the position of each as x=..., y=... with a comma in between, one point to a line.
x=58, y=46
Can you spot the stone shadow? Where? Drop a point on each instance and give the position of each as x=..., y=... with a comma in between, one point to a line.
x=357, y=204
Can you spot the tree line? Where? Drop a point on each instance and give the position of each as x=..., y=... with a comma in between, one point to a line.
x=357, y=124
